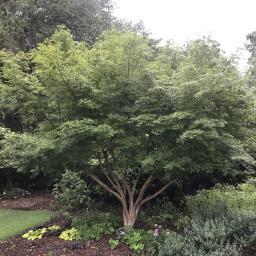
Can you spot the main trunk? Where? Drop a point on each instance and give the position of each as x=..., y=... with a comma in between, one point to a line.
x=130, y=217
x=127, y=196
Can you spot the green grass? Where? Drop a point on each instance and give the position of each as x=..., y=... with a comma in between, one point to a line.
x=13, y=222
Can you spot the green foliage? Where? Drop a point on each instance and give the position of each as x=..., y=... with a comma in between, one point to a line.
x=92, y=230
x=135, y=239
x=70, y=235
x=217, y=202
x=233, y=207
x=113, y=243
x=182, y=222
x=72, y=191
x=32, y=235
x=158, y=212
x=33, y=21
x=205, y=244
x=123, y=107
x=35, y=234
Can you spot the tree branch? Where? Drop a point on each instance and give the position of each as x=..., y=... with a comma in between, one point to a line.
x=101, y=183
x=143, y=189
x=156, y=193
x=135, y=184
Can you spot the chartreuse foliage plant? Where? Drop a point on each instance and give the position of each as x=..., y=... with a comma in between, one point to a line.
x=125, y=112
x=39, y=233
x=70, y=235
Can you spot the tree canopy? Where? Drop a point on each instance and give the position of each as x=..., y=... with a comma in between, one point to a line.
x=24, y=23
x=125, y=112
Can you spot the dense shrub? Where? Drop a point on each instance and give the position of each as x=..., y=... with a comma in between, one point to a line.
x=232, y=206
x=89, y=230
x=72, y=191
x=161, y=211
x=222, y=222
x=214, y=203
x=207, y=239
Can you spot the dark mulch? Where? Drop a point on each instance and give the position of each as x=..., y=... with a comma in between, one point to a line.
x=52, y=246
x=30, y=202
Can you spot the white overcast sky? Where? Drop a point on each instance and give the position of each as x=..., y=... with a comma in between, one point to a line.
x=227, y=21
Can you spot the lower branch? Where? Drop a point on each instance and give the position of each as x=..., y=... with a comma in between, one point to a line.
x=106, y=187
x=156, y=193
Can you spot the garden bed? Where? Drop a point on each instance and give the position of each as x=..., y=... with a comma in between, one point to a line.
x=51, y=245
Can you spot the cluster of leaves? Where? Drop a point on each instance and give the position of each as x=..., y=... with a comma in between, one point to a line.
x=135, y=239
x=72, y=191
x=92, y=230
x=70, y=234
x=222, y=223
x=162, y=210
x=205, y=243
x=24, y=23
x=139, y=240
x=113, y=243
x=39, y=233
x=219, y=201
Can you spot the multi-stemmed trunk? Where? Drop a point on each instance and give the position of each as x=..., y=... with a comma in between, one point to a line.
x=127, y=194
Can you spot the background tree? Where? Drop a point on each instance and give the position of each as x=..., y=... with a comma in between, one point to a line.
x=24, y=23
x=127, y=113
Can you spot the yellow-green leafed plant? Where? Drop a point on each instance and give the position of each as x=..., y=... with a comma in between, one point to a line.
x=53, y=228
x=39, y=233
x=35, y=234
x=70, y=235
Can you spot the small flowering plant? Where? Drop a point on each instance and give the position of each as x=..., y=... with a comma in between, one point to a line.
x=157, y=229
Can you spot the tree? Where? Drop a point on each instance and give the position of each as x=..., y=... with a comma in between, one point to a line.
x=127, y=113
x=24, y=23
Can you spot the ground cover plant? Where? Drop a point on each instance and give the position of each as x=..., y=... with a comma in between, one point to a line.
x=15, y=221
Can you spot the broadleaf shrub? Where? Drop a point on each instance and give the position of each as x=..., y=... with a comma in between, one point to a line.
x=92, y=230
x=70, y=235
x=232, y=206
x=72, y=191
x=200, y=239
x=214, y=203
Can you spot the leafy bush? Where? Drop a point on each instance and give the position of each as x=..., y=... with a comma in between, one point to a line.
x=72, y=191
x=223, y=204
x=209, y=239
x=162, y=210
x=91, y=230
x=113, y=243
x=70, y=235
x=135, y=239
x=32, y=235
x=216, y=202
x=182, y=222
x=35, y=234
